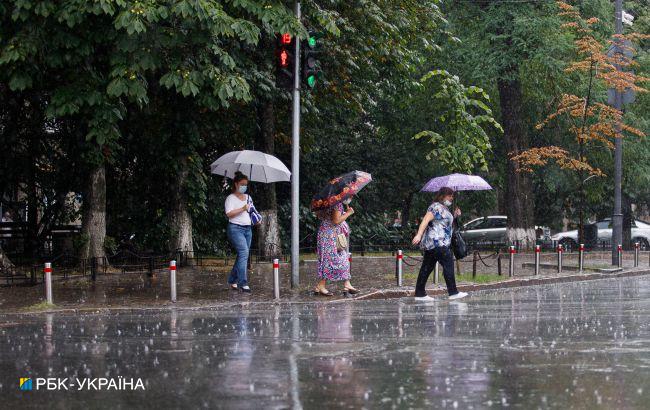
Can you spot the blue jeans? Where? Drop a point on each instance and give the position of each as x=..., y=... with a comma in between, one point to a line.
x=240, y=237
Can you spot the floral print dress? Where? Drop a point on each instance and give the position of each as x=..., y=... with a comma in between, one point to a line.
x=332, y=264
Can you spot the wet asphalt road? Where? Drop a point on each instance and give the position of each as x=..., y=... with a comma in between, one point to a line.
x=577, y=345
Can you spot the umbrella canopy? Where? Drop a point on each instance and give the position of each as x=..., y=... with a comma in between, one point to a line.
x=339, y=189
x=257, y=166
x=457, y=182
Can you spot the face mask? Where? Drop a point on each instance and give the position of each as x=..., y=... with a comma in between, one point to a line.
x=347, y=201
x=242, y=189
x=446, y=202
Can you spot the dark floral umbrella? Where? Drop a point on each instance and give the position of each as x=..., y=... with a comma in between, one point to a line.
x=339, y=189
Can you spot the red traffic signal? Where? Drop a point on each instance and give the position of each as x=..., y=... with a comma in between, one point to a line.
x=285, y=39
x=284, y=57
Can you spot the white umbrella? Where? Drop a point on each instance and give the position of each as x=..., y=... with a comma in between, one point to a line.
x=257, y=166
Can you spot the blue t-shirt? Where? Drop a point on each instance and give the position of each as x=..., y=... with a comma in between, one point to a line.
x=438, y=233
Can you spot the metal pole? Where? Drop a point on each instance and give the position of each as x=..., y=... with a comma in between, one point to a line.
x=474, y=264
x=559, y=258
x=617, y=216
x=276, y=279
x=436, y=273
x=295, y=163
x=48, y=282
x=581, y=257
x=400, y=257
x=537, y=255
x=499, y=263
x=172, y=279
x=636, y=254
x=511, y=267
x=620, y=255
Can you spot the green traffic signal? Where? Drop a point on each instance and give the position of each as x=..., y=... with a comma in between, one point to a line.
x=311, y=80
x=312, y=41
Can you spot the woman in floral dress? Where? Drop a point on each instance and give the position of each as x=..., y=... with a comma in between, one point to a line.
x=333, y=265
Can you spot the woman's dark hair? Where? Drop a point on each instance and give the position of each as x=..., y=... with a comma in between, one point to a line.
x=443, y=192
x=237, y=179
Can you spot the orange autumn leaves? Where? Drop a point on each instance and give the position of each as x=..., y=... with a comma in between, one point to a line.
x=590, y=122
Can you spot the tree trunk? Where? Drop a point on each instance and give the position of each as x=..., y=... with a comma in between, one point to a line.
x=266, y=202
x=519, y=198
x=406, y=211
x=5, y=263
x=180, y=218
x=93, y=224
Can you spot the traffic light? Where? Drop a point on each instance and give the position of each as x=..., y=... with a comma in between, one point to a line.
x=311, y=71
x=284, y=56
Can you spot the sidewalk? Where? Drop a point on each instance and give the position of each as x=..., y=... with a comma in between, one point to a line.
x=204, y=288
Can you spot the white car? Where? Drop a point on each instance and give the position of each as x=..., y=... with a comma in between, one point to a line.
x=640, y=233
x=491, y=230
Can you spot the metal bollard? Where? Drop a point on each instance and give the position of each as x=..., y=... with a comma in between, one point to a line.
x=48, y=282
x=499, y=263
x=559, y=258
x=538, y=250
x=620, y=255
x=637, y=248
x=276, y=279
x=436, y=273
x=172, y=279
x=399, y=270
x=474, y=260
x=511, y=267
x=581, y=257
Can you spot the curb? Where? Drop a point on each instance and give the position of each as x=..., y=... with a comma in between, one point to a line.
x=512, y=283
x=375, y=295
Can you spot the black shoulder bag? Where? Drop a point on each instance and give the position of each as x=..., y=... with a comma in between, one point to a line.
x=458, y=245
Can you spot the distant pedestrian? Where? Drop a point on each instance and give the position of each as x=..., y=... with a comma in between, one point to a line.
x=333, y=258
x=240, y=232
x=434, y=237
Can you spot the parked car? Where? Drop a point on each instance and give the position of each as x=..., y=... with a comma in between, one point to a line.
x=491, y=230
x=640, y=233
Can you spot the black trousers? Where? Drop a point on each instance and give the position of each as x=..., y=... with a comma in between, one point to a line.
x=445, y=258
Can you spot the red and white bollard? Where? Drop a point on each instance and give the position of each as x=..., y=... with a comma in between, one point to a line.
x=637, y=249
x=581, y=257
x=560, y=249
x=399, y=268
x=47, y=270
x=620, y=255
x=172, y=279
x=511, y=268
x=538, y=251
x=276, y=279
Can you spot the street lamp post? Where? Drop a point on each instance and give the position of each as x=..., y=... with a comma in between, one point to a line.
x=617, y=216
x=295, y=164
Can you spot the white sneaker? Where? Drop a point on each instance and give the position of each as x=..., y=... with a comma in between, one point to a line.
x=458, y=295
x=426, y=298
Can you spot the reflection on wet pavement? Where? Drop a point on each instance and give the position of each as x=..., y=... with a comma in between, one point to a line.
x=577, y=345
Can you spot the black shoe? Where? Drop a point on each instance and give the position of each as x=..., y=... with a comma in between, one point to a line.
x=245, y=289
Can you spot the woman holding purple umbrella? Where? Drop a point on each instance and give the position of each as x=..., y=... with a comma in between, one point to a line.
x=434, y=238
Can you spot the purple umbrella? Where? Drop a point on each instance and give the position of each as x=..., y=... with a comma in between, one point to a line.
x=457, y=182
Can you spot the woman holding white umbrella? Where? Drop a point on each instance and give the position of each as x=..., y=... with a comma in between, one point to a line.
x=240, y=232
x=239, y=207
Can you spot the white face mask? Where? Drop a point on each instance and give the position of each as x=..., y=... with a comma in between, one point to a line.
x=446, y=202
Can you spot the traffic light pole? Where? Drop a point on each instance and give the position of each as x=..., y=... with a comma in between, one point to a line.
x=617, y=217
x=295, y=164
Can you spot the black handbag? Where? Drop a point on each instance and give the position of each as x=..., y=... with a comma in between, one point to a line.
x=458, y=245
